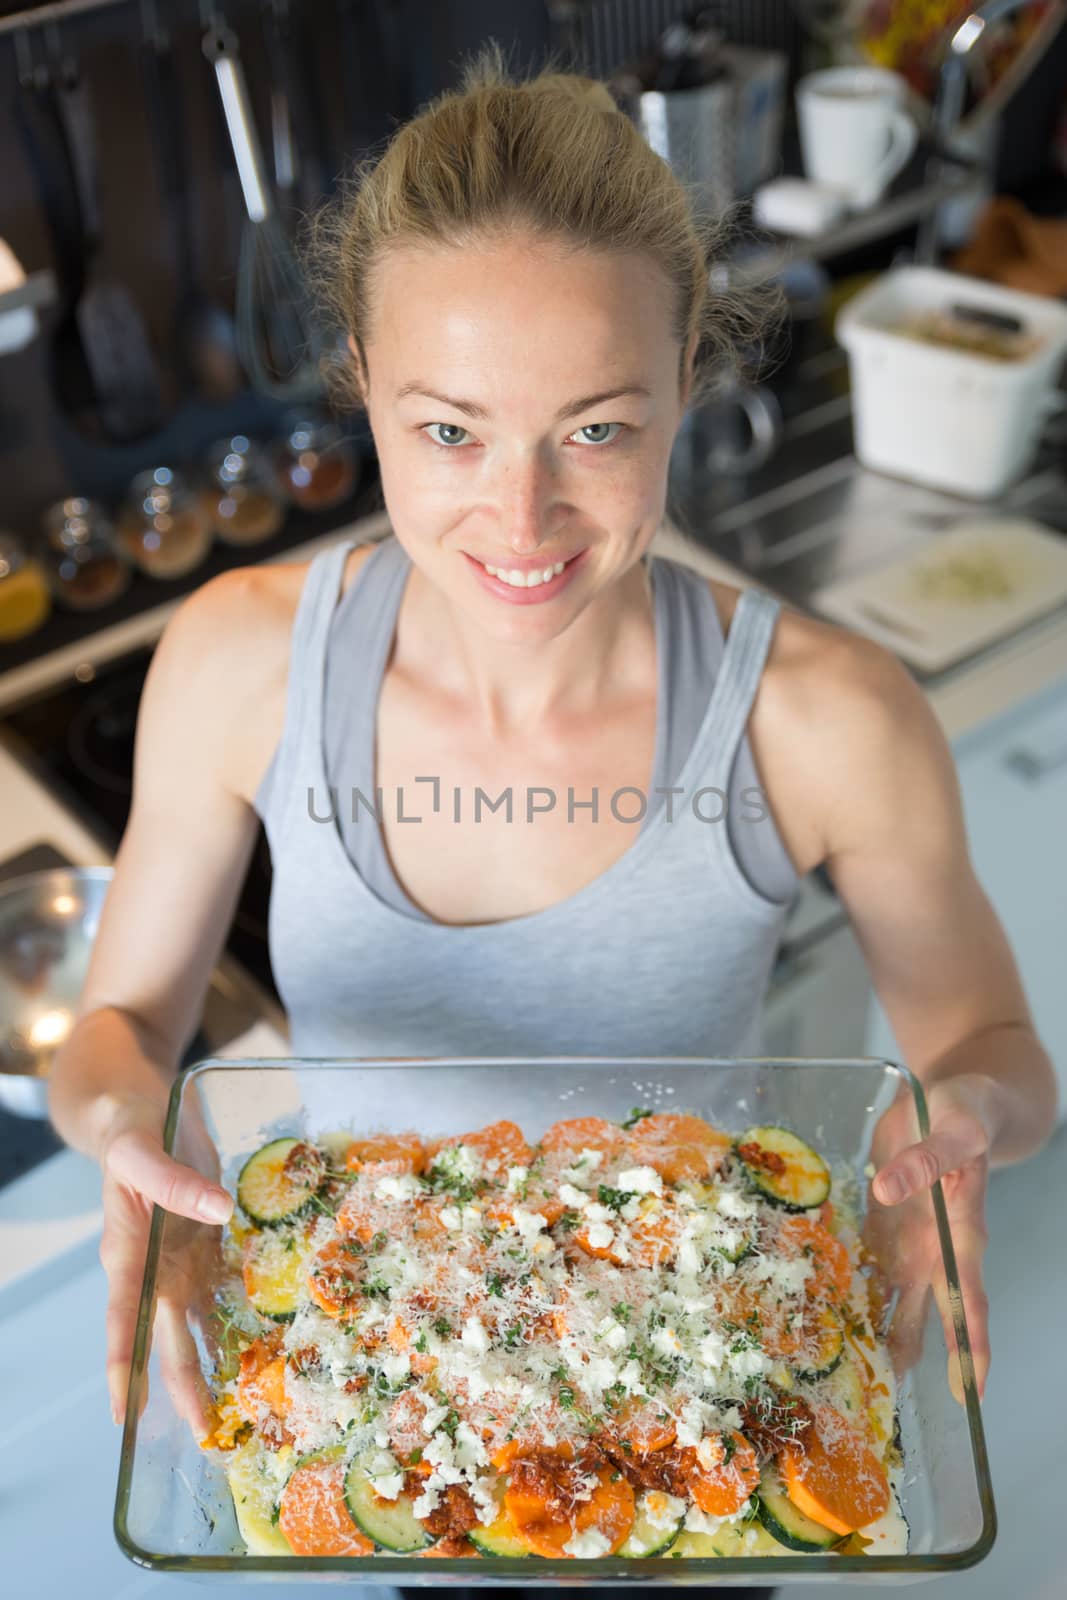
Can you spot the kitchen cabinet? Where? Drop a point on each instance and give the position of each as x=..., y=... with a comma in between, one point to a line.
x=1013, y=776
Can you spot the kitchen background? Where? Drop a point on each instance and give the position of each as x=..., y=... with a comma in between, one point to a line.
x=153, y=432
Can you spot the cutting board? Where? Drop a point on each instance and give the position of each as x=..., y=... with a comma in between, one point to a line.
x=956, y=592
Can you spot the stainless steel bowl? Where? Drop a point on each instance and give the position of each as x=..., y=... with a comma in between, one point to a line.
x=48, y=921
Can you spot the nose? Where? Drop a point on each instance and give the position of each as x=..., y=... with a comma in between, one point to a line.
x=525, y=496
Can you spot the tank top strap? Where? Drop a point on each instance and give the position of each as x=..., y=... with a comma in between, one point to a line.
x=744, y=656
x=308, y=649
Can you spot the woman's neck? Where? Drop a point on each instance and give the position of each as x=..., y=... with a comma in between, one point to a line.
x=607, y=654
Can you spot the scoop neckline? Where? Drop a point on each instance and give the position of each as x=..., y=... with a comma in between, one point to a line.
x=625, y=864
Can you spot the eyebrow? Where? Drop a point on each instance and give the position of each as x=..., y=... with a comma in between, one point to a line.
x=574, y=408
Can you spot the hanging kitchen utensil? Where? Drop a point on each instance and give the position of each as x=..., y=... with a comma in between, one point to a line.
x=46, y=150
x=277, y=338
x=286, y=159
x=127, y=395
x=203, y=336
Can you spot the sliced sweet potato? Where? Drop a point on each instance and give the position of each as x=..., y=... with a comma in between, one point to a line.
x=833, y=1477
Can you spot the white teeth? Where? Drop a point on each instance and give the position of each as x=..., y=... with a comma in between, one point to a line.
x=525, y=580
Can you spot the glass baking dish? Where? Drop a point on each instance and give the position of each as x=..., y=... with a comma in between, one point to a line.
x=173, y=1508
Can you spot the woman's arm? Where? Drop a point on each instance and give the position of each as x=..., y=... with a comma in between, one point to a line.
x=895, y=845
x=896, y=849
x=177, y=878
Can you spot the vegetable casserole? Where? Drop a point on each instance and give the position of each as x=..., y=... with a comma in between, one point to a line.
x=639, y=1338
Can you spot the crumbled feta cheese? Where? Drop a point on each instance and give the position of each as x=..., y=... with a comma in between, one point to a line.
x=434, y=1416
x=691, y=1423
x=600, y=1236
x=730, y=1203
x=474, y=1336
x=404, y=1186
x=667, y=1342
x=529, y=1223
x=517, y=1176
x=586, y=1546
x=631, y=1210
x=641, y=1180
x=583, y=1166
x=458, y=1161
x=698, y=1521
x=785, y=1277
x=748, y=1363
x=612, y=1333
x=594, y=1212
x=385, y=1472
x=572, y=1196
x=711, y=1452
x=661, y=1510
x=395, y=1367
x=711, y=1350
x=630, y=1378
x=450, y=1218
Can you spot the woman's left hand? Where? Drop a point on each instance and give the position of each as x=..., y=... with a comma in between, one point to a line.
x=963, y=1122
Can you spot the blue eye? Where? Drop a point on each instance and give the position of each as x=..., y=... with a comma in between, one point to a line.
x=592, y=426
x=454, y=428
x=445, y=444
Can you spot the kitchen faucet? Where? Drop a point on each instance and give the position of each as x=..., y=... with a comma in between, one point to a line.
x=948, y=105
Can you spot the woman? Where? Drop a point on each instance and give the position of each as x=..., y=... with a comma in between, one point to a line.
x=526, y=297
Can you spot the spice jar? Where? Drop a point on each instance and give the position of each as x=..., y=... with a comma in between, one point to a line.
x=163, y=527
x=81, y=555
x=25, y=600
x=242, y=501
x=317, y=465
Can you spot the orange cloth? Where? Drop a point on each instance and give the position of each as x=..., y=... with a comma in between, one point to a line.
x=1012, y=247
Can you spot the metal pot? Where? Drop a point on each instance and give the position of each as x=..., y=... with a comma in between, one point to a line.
x=48, y=921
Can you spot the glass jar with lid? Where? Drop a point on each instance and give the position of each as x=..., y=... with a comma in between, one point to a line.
x=81, y=553
x=317, y=465
x=242, y=498
x=25, y=599
x=163, y=526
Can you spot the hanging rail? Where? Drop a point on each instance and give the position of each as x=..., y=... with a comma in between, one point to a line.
x=57, y=11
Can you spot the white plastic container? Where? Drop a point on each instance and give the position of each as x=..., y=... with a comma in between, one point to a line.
x=949, y=418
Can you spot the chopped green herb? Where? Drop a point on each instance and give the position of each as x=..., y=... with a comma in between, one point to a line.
x=636, y=1116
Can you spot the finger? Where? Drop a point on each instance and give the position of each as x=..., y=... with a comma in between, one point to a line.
x=135, y=1157
x=123, y=1263
x=974, y=1363
x=908, y=1326
x=179, y=1367
x=922, y=1164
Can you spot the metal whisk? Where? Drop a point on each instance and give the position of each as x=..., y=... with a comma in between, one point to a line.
x=278, y=341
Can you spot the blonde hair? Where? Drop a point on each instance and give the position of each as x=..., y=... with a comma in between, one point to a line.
x=553, y=154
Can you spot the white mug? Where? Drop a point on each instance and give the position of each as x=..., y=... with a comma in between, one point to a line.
x=855, y=134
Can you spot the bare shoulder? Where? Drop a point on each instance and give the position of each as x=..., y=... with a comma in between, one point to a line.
x=223, y=660
x=835, y=717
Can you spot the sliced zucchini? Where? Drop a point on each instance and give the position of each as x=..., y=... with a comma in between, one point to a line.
x=648, y=1538
x=390, y=1523
x=256, y=1478
x=829, y=1341
x=275, y=1273
x=741, y=1538
x=783, y=1169
x=280, y=1181
x=845, y=1388
x=785, y=1523
x=500, y=1538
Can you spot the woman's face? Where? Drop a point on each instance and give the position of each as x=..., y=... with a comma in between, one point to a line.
x=523, y=400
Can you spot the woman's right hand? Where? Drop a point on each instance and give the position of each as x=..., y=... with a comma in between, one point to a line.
x=138, y=1175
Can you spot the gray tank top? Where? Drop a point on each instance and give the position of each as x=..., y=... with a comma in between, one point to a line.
x=667, y=952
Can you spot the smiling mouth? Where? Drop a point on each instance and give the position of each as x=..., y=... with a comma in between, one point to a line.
x=524, y=578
